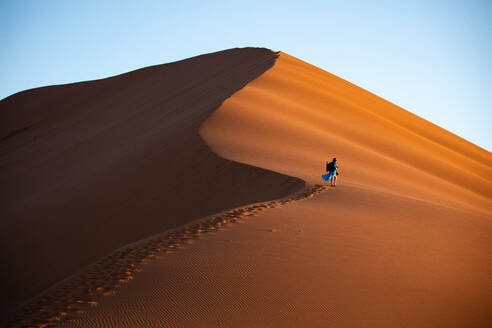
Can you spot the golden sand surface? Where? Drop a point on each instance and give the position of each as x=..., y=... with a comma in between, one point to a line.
x=348, y=257
x=403, y=240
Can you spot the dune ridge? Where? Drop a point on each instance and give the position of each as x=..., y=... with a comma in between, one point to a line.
x=67, y=301
x=89, y=167
x=379, y=144
x=403, y=240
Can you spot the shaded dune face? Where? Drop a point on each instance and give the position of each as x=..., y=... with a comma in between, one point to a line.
x=296, y=116
x=89, y=167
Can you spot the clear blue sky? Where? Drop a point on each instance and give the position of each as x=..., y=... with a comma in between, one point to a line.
x=433, y=58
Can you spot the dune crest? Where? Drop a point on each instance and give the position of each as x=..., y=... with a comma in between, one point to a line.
x=403, y=240
x=297, y=116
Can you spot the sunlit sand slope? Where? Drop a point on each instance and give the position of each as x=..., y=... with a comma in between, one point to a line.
x=347, y=258
x=296, y=116
x=88, y=167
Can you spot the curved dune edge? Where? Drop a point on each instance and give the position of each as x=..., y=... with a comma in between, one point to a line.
x=75, y=295
x=90, y=167
x=296, y=116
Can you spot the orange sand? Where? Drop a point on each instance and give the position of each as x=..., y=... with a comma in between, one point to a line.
x=402, y=241
x=347, y=258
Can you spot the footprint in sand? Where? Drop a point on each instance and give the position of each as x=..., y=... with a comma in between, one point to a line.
x=106, y=275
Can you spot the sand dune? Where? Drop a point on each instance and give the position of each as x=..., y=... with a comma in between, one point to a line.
x=89, y=167
x=402, y=241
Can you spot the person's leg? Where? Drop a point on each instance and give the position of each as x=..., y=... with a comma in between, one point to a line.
x=335, y=181
x=331, y=182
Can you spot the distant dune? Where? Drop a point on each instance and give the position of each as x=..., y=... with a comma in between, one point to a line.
x=402, y=241
x=92, y=166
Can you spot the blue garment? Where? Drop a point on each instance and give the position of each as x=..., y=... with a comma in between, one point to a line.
x=328, y=176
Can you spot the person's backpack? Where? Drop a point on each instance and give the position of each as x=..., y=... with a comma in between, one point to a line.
x=330, y=166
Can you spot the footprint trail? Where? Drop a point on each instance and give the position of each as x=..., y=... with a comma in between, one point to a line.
x=77, y=294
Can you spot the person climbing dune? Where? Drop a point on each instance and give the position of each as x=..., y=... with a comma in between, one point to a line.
x=332, y=172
